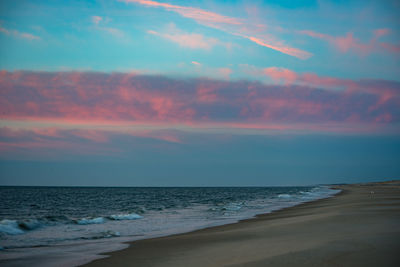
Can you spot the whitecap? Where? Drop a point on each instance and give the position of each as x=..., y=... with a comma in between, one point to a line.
x=109, y=233
x=10, y=227
x=85, y=221
x=129, y=216
x=284, y=196
x=104, y=234
x=232, y=207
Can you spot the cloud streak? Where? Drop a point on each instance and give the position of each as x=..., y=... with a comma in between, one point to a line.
x=348, y=43
x=234, y=26
x=99, y=23
x=18, y=34
x=188, y=40
x=199, y=15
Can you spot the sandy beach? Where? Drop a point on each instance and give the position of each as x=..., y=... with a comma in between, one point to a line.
x=358, y=227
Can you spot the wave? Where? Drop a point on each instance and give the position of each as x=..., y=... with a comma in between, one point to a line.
x=228, y=208
x=232, y=207
x=105, y=234
x=10, y=227
x=17, y=227
x=114, y=217
x=14, y=227
x=284, y=196
x=30, y=224
x=53, y=219
x=129, y=216
x=85, y=221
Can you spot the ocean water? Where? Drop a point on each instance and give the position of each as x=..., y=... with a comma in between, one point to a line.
x=66, y=226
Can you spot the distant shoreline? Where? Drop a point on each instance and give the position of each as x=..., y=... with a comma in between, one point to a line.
x=357, y=227
x=90, y=186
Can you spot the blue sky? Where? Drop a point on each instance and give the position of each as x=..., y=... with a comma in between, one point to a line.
x=172, y=92
x=70, y=39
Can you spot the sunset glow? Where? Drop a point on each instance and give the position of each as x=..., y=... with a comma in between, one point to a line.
x=119, y=79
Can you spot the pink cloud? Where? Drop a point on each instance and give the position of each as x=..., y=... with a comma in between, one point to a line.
x=349, y=43
x=381, y=32
x=230, y=25
x=189, y=40
x=96, y=19
x=28, y=142
x=52, y=140
x=206, y=93
x=18, y=34
x=118, y=99
x=113, y=31
x=203, y=70
x=288, y=77
x=391, y=47
x=279, y=74
x=283, y=49
x=59, y=141
x=199, y=15
x=315, y=34
x=225, y=72
x=342, y=43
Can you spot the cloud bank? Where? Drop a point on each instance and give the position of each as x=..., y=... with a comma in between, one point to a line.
x=133, y=98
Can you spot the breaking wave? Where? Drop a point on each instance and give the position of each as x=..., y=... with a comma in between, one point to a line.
x=10, y=227
x=129, y=216
x=85, y=221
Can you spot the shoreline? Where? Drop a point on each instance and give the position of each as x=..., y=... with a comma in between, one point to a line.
x=85, y=252
x=127, y=244
x=107, y=254
x=199, y=247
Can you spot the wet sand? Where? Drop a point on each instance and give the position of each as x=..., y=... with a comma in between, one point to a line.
x=358, y=227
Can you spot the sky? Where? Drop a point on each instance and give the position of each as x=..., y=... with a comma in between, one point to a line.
x=199, y=93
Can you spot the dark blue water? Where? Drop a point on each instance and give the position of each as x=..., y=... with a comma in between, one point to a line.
x=63, y=203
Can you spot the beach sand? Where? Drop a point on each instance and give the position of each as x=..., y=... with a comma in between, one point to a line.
x=358, y=227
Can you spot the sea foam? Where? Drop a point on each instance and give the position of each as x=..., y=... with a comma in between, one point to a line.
x=85, y=221
x=232, y=207
x=129, y=216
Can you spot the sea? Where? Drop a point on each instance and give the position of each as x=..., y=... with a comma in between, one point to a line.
x=69, y=226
